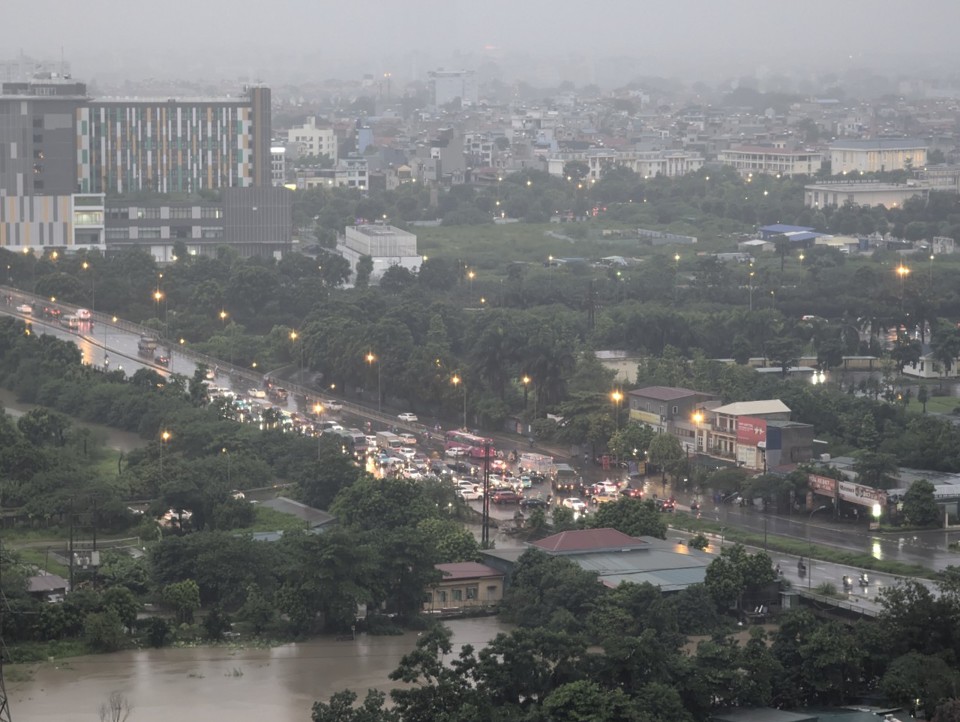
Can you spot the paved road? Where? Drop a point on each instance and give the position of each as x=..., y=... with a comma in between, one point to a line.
x=107, y=341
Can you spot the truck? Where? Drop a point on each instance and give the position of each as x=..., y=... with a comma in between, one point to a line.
x=537, y=464
x=567, y=480
x=388, y=441
x=147, y=345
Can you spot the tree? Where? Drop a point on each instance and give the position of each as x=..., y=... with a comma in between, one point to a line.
x=117, y=708
x=630, y=516
x=920, y=504
x=122, y=601
x=184, y=598
x=917, y=677
x=364, y=269
x=216, y=624
x=341, y=708
x=103, y=631
x=665, y=450
x=875, y=468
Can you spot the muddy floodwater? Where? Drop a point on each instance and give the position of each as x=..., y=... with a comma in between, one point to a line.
x=219, y=684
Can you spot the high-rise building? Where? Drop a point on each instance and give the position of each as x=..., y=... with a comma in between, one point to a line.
x=62, y=154
x=174, y=145
x=452, y=85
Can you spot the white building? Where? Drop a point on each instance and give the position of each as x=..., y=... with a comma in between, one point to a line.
x=450, y=85
x=771, y=161
x=278, y=165
x=349, y=172
x=386, y=245
x=313, y=140
x=878, y=155
x=838, y=193
x=645, y=163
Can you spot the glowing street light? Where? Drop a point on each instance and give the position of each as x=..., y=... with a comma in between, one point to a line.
x=165, y=436
x=617, y=397
x=458, y=381
x=372, y=359
x=903, y=272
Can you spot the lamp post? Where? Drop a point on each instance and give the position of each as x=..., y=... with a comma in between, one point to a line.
x=458, y=381
x=318, y=412
x=903, y=272
x=293, y=338
x=93, y=285
x=810, y=543
x=616, y=396
x=223, y=317
x=165, y=436
x=526, y=387
x=371, y=359
x=931, y=269
x=226, y=452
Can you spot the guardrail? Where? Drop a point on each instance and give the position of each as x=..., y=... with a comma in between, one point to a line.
x=257, y=379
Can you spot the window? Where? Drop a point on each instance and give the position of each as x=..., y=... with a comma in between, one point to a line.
x=118, y=234
x=149, y=233
x=181, y=213
x=148, y=213
x=492, y=591
x=458, y=595
x=211, y=213
x=472, y=592
x=442, y=597
x=675, y=409
x=428, y=598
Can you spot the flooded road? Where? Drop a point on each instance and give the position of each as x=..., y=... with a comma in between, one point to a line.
x=222, y=685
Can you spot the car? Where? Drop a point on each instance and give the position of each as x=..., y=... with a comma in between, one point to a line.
x=456, y=452
x=25, y=308
x=470, y=494
x=257, y=394
x=575, y=503
x=505, y=496
x=632, y=492
x=408, y=439
x=332, y=405
x=604, y=498
x=525, y=481
x=534, y=502
x=162, y=360
x=666, y=505
x=408, y=417
x=407, y=452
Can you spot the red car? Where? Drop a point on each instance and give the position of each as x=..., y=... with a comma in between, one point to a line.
x=505, y=496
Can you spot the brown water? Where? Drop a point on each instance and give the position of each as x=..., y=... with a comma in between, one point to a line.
x=222, y=685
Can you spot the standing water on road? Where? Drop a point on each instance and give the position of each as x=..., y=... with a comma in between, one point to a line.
x=219, y=684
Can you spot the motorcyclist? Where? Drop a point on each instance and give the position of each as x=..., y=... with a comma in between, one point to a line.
x=864, y=579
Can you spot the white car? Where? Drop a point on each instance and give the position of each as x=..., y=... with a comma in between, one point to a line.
x=408, y=439
x=27, y=308
x=407, y=416
x=470, y=494
x=578, y=505
x=332, y=405
x=407, y=452
x=257, y=394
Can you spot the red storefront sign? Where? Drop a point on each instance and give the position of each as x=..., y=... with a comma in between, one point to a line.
x=822, y=485
x=751, y=430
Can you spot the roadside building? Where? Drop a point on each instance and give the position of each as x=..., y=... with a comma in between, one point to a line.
x=464, y=586
x=669, y=410
x=741, y=432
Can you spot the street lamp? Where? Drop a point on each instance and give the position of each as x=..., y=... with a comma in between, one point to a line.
x=225, y=451
x=931, y=268
x=698, y=421
x=526, y=387
x=165, y=436
x=371, y=359
x=93, y=286
x=293, y=338
x=318, y=412
x=223, y=316
x=457, y=381
x=810, y=543
x=903, y=272
x=617, y=397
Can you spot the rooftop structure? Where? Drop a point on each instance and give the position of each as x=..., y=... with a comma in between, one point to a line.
x=877, y=155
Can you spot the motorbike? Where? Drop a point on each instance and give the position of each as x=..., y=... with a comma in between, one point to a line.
x=801, y=569
x=847, y=583
x=864, y=580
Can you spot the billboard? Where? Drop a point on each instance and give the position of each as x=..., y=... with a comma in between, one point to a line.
x=751, y=431
x=862, y=495
x=822, y=484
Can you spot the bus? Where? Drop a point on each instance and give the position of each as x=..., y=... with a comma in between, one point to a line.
x=476, y=447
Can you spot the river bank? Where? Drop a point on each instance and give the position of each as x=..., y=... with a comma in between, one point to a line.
x=223, y=684
x=124, y=441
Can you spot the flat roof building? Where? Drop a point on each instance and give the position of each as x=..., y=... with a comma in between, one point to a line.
x=877, y=155
x=386, y=245
x=869, y=194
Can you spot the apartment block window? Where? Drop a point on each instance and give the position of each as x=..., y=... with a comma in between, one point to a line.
x=181, y=213
x=211, y=213
x=149, y=232
x=148, y=213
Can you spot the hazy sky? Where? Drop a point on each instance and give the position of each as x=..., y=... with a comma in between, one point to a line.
x=321, y=38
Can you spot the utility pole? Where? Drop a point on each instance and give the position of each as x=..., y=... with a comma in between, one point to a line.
x=485, y=520
x=4, y=656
